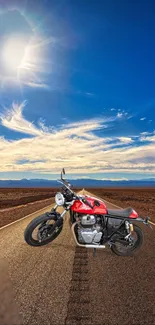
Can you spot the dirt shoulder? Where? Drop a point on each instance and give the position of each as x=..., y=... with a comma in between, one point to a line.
x=142, y=200
x=16, y=203
x=12, y=197
x=9, y=215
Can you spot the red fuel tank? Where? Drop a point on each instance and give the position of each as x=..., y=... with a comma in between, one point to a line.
x=83, y=208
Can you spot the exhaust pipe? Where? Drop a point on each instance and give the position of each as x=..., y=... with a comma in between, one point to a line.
x=94, y=246
x=82, y=245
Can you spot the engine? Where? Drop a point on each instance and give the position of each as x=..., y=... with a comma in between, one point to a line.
x=89, y=229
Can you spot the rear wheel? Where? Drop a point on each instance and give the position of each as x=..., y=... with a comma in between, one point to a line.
x=119, y=247
x=41, y=231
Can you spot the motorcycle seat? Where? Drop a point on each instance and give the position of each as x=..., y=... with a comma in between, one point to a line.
x=121, y=212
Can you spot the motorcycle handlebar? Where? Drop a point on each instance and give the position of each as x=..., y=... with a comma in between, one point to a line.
x=75, y=195
x=65, y=183
x=78, y=197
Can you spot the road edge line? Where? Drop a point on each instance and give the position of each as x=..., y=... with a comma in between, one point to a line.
x=28, y=215
x=83, y=190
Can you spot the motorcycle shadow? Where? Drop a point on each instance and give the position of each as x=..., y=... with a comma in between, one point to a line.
x=56, y=246
x=72, y=248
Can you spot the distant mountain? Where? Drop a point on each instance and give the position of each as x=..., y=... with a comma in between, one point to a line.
x=22, y=183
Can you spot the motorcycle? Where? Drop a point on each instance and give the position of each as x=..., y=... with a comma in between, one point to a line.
x=93, y=225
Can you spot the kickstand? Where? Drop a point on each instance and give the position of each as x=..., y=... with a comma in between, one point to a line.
x=94, y=252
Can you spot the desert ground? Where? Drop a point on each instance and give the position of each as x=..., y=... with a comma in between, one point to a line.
x=141, y=199
x=18, y=202
x=62, y=284
x=10, y=197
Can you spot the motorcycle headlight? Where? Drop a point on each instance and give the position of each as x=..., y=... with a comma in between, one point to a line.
x=59, y=199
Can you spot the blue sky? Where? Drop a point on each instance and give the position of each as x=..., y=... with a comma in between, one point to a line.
x=77, y=89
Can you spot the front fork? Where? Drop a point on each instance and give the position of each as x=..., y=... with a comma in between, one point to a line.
x=58, y=216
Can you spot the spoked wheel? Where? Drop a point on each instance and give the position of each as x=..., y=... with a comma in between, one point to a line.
x=134, y=242
x=41, y=230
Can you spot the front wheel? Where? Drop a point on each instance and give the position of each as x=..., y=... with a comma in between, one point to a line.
x=42, y=230
x=128, y=249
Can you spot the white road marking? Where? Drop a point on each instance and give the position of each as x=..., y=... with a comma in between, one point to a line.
x=29, y=215
x=48, y=206
x=25, y=217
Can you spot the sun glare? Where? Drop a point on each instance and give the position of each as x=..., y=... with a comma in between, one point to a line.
x=14, y=53
x=23, y=52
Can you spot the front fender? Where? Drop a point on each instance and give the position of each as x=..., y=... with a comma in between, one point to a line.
x=56, y=216
x=53, y=215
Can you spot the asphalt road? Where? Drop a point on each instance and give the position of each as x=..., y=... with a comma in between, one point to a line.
x=122, y=290
x=60, y=284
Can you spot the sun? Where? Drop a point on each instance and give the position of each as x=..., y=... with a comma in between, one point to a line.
x=23, y=52
x=14, y=53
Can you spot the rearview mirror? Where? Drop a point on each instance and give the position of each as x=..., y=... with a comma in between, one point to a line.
x=96, y=203
x=63, y=170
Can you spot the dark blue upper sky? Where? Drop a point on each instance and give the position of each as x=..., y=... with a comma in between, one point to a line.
x=101, y=63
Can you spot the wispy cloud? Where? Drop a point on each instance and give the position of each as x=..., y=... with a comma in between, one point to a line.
x=115, y=179
x=125, y=140
x=119, y=115
x=46, y=41
x=147, y=136
x=23, y=81
x=34, y=66
x=74, y=146
x=145, y=133
x=142, y=118
x=14, y=120
x=82, y=93
x=37, y=85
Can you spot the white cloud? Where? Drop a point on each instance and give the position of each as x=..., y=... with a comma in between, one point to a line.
x=123, y=114
x=14, y=120
x=36, y=85
x=125, y=140
x=148, y=138
x=142, y=118
x=113, y=109
x=115, y=179
x=119, y=115
x=145, y=133
x=74, y=146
